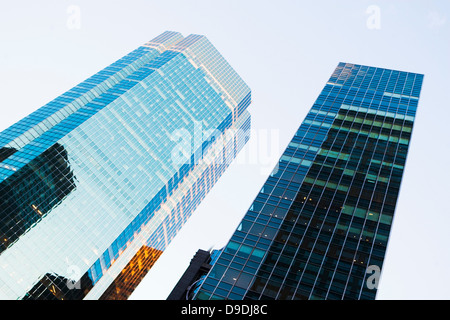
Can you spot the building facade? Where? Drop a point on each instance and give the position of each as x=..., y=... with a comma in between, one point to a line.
x=96, y=183
x=319, y=227
x=191, y=279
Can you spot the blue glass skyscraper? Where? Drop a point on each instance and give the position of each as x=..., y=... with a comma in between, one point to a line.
x=95, y=184
x=319, y=227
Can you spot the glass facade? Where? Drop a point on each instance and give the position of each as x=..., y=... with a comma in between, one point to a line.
x=96, y=183
x=321, y=221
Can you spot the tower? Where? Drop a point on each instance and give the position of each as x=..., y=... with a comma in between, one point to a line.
x=319, y=227
x=96, y=183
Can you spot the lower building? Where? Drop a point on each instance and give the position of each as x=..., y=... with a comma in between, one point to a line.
x=197, y=269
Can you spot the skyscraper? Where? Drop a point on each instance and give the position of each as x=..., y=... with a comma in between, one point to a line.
x=95, y=184
x=319, y=227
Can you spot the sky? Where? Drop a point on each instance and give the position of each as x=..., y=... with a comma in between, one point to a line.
x=285, y=51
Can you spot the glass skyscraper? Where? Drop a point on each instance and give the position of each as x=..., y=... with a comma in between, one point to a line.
x=95, y=184
x=319, y=227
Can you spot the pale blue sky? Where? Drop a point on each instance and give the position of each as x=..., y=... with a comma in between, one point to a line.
x=285, y=51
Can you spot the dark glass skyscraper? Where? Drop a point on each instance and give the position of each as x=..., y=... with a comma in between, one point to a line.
x=323, y=217
x=95, y=184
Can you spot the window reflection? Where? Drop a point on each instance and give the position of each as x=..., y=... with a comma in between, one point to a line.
x=33, y=191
